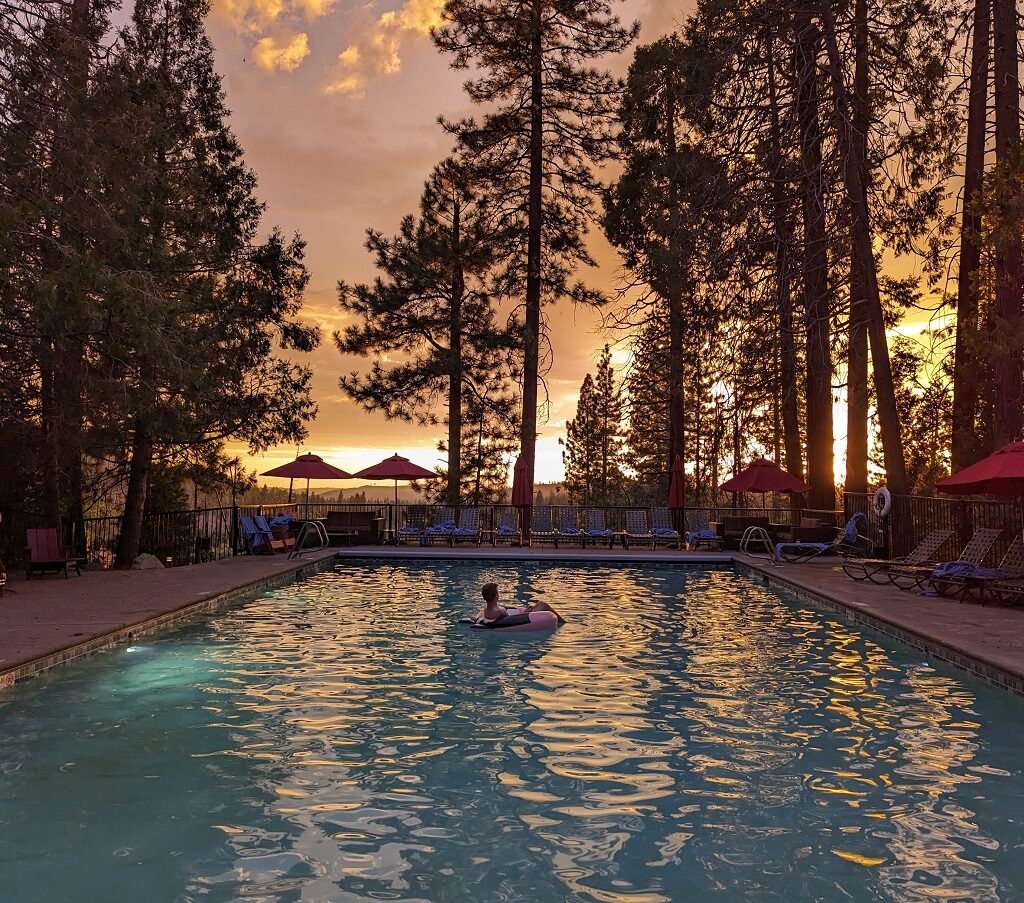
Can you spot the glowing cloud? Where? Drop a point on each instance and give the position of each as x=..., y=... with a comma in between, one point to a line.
x=375, y=50
x=286, y=55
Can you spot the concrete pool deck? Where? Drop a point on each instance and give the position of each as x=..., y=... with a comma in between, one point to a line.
x=46, y=622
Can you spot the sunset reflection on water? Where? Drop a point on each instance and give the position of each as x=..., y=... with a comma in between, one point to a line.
x=686, y=734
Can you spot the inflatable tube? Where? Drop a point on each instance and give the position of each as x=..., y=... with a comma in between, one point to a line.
x=526, y=623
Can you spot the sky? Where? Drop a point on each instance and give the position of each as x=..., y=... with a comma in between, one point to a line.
x=336, y=105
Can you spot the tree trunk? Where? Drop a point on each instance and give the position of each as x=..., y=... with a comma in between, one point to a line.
x=1007, y=360
x=965, y=446
x=455, y=366
x=860, y=227
x=789, y=388
x=135, y=499
x=531, y=338
x=857, y=352
x=820, y=452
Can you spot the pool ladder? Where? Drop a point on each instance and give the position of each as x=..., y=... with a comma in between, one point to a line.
x=756, y=543
x=310, y=528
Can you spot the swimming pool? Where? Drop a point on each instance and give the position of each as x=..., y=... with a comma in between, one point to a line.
x=688, y=735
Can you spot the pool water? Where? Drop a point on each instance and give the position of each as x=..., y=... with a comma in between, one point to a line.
x=688, y=735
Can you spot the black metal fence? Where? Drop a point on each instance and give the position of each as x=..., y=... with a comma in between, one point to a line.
x=207, y=534
x=913, y=517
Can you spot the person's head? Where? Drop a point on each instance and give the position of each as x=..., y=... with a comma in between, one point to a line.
x=489, y=592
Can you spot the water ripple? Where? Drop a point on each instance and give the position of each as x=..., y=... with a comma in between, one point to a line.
x=686, y=735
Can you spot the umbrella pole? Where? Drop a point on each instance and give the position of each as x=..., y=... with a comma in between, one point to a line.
x=307, y=498
x=291, y=484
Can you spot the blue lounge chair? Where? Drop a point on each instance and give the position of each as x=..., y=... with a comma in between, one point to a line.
x=568, y=525
x=597, y=529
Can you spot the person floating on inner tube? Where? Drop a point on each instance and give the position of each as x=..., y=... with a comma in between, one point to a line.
x=493, y=611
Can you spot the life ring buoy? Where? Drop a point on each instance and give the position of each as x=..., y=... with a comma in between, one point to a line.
x=524, y=623
x=881, y=502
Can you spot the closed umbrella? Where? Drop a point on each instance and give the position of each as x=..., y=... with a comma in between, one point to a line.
x=308, y=467
x=522, y=485
x=677, y=485
x=396, y=468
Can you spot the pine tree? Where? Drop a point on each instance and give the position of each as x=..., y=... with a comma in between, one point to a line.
x=551, y=122
x=593, y=454
x=433, y=303
x=189, y=357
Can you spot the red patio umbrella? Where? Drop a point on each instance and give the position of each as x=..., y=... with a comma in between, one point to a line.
x=522, y=486
x=1001, y=473
x=764, y=476
x=395, y=468
x=677, y=485
x=308, y=467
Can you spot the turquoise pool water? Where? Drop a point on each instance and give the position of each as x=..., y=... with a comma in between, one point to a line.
x=687, y=736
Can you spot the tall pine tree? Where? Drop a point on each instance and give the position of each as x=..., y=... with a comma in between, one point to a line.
x=551, y=122
x=433, y=304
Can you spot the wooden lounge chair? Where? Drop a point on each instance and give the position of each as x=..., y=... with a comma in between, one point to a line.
x=568, y=525
x=541, y=529
x=637, y=530
x=597, y=528
x=663, y=530
x=279, y=537
x=468, y=529
x=258, y=541
x=45, y=554
x=984, y=583
x=974, y=552
x=507, y=529
x=876, y=569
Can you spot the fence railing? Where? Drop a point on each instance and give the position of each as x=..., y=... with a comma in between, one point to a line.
x=912, y=517
x=208, y=534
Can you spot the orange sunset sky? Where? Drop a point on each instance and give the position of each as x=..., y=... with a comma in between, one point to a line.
x=335, y=103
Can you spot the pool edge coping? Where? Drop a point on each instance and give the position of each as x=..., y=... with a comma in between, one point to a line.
x=22, y=671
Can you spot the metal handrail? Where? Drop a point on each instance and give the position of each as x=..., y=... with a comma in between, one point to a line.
x=298, y=547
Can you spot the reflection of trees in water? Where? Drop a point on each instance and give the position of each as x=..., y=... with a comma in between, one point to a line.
x=334, y=733
x=685, y=733
x=928, y=832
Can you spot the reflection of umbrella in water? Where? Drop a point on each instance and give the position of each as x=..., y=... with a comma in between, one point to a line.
x=308, y=467
x=764, y=476
x=396, y=468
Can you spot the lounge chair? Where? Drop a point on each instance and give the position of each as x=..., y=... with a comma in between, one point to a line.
x=848, y=541
x=443, y=528
x=507, y=529
x=597, y=528
x=568, y=525
x=280, y=537
x=699, y=534
x=924, y=554
x=45, y=554
x=663, y=530
x=637, y=530
x=968, y=578
x=468, y=529
x=258, y=541
x=541, y=529
x=974, y=553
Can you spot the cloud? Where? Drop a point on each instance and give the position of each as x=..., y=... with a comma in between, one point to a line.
x=257, y=16
x=285, y=55
x=375, y=49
